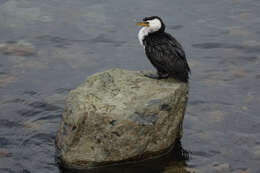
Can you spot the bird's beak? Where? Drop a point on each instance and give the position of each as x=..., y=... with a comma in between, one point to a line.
x=146, y=24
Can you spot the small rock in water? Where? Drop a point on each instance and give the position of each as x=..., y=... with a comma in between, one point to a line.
x=217, y=116
x=3, y=153
x=20, y=48
x=241, y=171
x=239, y=73
x=32, y=64
x=33, y=125
x=222, y=168
x=249, y=99
x=6, y=79
x=244, y=108
x=237, y=31
x=256, y=152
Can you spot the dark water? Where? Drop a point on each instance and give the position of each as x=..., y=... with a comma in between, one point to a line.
x=70, y=40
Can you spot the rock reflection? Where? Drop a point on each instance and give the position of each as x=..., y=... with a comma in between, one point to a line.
x=172, y=162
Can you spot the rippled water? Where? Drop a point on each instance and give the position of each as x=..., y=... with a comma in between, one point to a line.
x=66, y=41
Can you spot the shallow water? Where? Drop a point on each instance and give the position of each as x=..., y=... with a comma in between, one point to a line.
x=70, y=40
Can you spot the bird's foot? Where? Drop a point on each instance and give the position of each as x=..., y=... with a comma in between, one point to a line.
x=156, y=76
x=163, y=76
x=152, y=76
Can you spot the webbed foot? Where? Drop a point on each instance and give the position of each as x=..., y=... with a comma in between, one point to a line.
x=152, y=76
x=156, y=76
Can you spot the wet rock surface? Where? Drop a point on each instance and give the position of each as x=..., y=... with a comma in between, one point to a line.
x=118, y=116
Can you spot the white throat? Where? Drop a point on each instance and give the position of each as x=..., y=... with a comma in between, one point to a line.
x=154, y=25
x=144, y=31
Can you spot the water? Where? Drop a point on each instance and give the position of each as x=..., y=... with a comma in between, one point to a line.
x=71, y=40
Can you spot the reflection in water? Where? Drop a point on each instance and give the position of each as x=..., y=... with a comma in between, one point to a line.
x=172, y=162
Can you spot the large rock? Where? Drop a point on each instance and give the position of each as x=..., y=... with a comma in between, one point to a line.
x=119, y=115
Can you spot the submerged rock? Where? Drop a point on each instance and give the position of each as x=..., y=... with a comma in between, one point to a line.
x=118, y=116
x=21, y=48
x=5, y=79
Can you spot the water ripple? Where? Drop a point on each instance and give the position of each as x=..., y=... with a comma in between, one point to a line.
x=3, y=1
x=212, y=45
x=43, y=106
x=4, y=142
x=39, y=139
x=8, y=124
x=202, y=154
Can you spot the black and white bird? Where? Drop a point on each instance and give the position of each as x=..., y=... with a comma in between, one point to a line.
x=163, y=50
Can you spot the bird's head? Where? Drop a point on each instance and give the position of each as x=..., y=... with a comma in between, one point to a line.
x=153, y=23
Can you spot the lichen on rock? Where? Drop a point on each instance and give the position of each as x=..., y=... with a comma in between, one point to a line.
x=120, y=115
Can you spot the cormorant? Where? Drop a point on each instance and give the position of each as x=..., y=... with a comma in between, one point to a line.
x=163, y=50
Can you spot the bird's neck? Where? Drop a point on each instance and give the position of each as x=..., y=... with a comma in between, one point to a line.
x=145, y=31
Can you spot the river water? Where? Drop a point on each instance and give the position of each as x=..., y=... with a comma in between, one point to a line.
x=63, y=41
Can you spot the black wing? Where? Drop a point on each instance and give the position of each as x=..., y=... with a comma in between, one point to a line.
x=167, y=55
